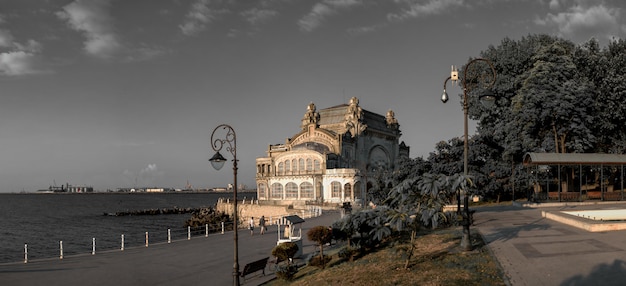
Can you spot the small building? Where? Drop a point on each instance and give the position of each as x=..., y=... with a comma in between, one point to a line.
x=333, y=158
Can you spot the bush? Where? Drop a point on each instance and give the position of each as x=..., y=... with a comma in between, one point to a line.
x=348, y=253
x=285, y=250
x=286, y=272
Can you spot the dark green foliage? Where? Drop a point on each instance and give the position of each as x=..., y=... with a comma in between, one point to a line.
x=553, y=96
x=285, y=251
x=286, y=271
x=348, y=253
x=321, y=235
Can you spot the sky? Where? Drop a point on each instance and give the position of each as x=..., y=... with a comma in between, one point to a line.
x=121, y=93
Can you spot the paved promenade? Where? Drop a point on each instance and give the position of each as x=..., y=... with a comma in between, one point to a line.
x=199, y=261
x=537, y=251
x=532, y=251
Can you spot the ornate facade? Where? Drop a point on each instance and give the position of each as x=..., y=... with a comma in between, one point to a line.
x=330, y=158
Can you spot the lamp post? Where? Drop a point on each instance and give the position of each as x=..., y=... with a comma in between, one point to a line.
x=487, y=99
x=217, y=161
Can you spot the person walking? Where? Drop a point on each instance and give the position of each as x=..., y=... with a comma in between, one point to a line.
x=251, y=223
x=262, y=224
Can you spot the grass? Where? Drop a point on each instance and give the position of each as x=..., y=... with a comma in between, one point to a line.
x=437, y=261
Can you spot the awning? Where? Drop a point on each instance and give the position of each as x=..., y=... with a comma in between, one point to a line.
x=294, y=219
x=574, y=159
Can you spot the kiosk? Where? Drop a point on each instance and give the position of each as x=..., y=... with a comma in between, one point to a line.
x=290, y=230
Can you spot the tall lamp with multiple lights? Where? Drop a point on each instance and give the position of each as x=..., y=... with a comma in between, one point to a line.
x=217, y=161
x=488, y=99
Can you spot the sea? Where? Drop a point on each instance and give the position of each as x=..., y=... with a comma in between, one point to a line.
x=42, y=222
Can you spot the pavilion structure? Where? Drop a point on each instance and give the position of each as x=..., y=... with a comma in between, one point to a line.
x=576, y=176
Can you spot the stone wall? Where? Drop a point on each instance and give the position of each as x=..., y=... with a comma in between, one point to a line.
x=251, y=209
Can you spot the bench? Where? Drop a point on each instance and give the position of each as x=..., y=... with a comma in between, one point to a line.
x=594, y=195
x=565, y=196
x=254, y=266
x=613, y=196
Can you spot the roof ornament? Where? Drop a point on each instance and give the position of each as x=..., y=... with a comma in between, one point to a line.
x=392, y=122
x=311, y=116
x=353, y=116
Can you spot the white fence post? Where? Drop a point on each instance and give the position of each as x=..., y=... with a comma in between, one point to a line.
x=25, y=253
x=146, y=239
x=222, y=227
x=188, y=232
x=61, y=249
x=122, y=248
x=169, y=236
x=93, y=246
x=206, y=230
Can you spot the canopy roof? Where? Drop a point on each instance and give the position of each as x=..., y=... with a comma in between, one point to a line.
x=574, y=159
x=294, y=219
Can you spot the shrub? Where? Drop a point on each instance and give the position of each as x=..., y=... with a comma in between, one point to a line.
x=348, y=253
x=285, y=250
x=286, y=272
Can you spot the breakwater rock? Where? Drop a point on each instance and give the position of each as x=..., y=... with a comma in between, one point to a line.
x=208, y=216
x=161, y=211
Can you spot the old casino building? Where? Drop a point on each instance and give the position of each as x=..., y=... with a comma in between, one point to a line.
x=330, y=159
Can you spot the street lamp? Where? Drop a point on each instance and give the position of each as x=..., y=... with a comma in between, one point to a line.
x=217, y=161
x=487, y=99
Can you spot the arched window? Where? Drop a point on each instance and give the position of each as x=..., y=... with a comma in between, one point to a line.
x=294, y=165
x=291, y=191
x=317, y=165
x=347, y=191
x=309, y=164
x=281, y=169
x=335, y=189
x=262, y=191
x=287, y=166
x=301, y=165
x=277, y=191
x=306, y=190
x=357, y=190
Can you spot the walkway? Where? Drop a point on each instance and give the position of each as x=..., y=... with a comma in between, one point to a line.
x=199, y=261
x=532, y=251
x=536, y=251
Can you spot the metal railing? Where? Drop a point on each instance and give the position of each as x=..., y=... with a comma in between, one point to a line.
x=144, y=239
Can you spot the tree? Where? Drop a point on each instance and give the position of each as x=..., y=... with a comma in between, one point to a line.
x=419, y=201
x=321, y=235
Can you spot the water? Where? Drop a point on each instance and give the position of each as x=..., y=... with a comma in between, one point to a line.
x=42, y=220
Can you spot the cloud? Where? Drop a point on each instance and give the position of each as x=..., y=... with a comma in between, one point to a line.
x=200, y=15
x=258, y=16
x=144, y=53
x=18, y=63
x=416, y=9
x=20, y=59
x=583, y=22
x=147, y=177
x=322, y=10
x=6, y=38
x=364, y=30
x=93, y=19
